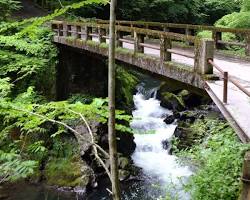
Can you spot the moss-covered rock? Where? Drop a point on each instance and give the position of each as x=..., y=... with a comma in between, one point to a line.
x=68, y=172
x=172, y=101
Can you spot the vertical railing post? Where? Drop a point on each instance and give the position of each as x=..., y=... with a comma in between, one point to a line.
x=88, y=33
x=138, y=39
x=74, y=31
x=165, y=44
x=102, y=33
x=247, y=39
x=166, y=29
x=217, y=37
x=132, y=32
x=78, y=32
x=204, y=50
x=189, y=32
x=245, y=192
x=55, y=28
x=65, y=30
x=225, y=87
x=119, y=35
x=60, y=30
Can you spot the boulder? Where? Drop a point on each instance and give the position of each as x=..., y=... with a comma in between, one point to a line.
x=172, y=101
x=125, y=143
x=69, y=172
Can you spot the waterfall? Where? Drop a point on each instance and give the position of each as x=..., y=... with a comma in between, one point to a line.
x=151, y=133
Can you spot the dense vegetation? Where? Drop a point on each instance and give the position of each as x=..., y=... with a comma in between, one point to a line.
x=217, y=156
x=178, y=11
x=33, y=127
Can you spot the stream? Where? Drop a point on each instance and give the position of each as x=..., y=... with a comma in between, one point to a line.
x=161, y=174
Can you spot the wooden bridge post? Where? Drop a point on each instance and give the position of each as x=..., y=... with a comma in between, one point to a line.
x=119, y=35
x=88, y=32
x=78, y=32
x=204, y=50
x=165, y=44
x=245, y=193
x=65, y=30
x=189, y=32
x=217, y=36
x=102, y=32
x=166, y=29
x=247, y=38
x=138, y=39
x=74, y=31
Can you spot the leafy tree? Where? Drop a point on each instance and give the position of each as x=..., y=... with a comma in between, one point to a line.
x=7, y=7
x=237, y=19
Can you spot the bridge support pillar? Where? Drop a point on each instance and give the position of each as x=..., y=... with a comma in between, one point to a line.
x=204, y=50
x=165, y=44
x=138, y=39
x=245, y=193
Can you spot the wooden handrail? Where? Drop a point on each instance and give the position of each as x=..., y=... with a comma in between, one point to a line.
x=227, y=78
x=152, y=33
x=90, y=30
x=179, y=26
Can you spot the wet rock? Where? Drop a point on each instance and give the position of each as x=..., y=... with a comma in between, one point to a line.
x=168, y=87
x=178, y=132
x=165, y=144
x=123, y=162
x=169, y=119
x=69, y=172
x=172, y=101
x=125, y=143
x=123, y=175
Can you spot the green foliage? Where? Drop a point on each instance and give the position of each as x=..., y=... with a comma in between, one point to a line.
x=218, y=157
x=13, y=167
x=64, y=172
x=27, y=64
x=126, y=84
x=245, y=6
x=7, y=7
x=237, y=19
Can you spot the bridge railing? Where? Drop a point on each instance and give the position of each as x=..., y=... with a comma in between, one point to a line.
x=189, y=29
x=226, y=78
x=134, y=36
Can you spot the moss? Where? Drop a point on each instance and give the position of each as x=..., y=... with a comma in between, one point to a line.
x=92, y=43
x=126, y=84
x=124, y=51
x=64, y=172
x=172, y=101
x=181, y=67
x=104, y=46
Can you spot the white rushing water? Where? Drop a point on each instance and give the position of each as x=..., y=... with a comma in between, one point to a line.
x=150, y=154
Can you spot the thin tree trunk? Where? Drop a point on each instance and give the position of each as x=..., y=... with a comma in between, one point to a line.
x=111, y=90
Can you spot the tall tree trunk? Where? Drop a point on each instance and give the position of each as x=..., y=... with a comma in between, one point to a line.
x=112, y=135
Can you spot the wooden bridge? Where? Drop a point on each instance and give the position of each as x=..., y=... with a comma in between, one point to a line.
x=155, y=47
